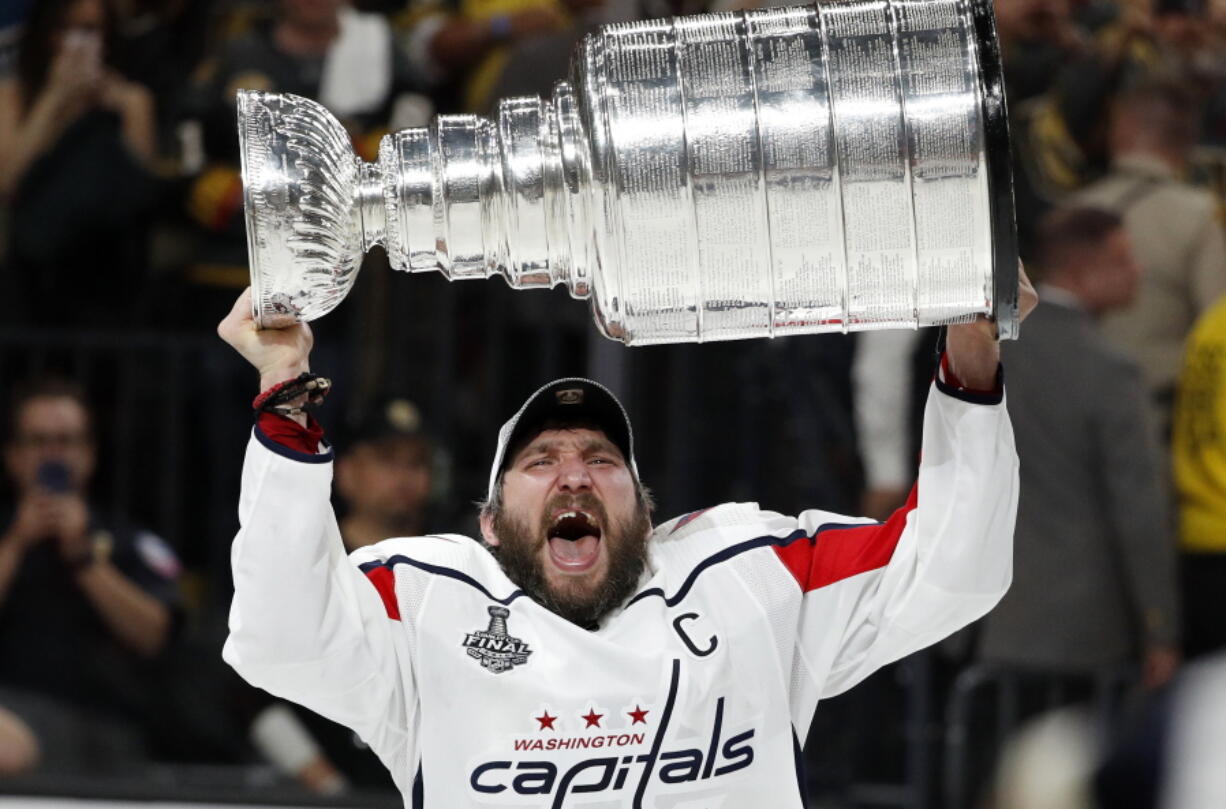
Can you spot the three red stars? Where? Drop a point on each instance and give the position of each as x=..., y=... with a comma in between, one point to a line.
x=637, y=717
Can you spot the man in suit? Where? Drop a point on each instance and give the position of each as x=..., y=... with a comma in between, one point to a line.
x=1094, y=570
x=1175, y=226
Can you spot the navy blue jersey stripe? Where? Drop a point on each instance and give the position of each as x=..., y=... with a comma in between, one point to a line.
x=438, y=570
x=802, y=782
x=665, y=717
x=419, y=790
x=992, y=397
x=736, y=550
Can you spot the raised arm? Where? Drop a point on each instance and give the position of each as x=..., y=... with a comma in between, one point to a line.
x=305, y=623
x=874, y=592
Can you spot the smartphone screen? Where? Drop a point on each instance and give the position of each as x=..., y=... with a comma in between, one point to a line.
x=54, y=477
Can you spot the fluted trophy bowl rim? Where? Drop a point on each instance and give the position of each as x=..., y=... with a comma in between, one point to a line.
x=297, y=181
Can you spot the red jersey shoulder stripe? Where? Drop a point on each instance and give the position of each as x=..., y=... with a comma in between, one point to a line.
x=384, y=580
x=835, y=553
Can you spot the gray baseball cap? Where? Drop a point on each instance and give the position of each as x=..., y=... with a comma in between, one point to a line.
x=570, y=399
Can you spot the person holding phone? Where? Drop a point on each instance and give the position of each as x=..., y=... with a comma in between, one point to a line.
x=62, y=75
x=77, y=141
x=87, y=601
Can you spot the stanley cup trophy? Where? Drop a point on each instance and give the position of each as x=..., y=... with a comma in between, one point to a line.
x=833, y=167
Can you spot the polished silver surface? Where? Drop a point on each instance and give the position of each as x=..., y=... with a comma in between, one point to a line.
x=833, y=167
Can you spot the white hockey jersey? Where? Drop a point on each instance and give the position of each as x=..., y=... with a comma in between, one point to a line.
x=694, y=694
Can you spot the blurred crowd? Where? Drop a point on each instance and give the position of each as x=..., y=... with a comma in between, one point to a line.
x=121, y=204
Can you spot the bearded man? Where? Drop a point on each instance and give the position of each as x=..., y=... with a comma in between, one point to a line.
x=580, y=657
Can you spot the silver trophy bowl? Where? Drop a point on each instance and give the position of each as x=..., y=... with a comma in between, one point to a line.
x=833, y=167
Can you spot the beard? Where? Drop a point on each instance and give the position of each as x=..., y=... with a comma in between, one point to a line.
x=581, y=602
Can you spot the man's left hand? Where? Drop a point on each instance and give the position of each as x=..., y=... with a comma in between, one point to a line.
x=973, y=350
x=68, y=518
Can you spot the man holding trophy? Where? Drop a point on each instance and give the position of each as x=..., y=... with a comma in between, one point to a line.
x=577, y=655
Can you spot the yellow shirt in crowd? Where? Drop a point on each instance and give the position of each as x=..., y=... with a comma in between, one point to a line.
x=1199, y=441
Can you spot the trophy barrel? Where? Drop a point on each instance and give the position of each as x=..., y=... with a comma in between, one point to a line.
x=836, y=167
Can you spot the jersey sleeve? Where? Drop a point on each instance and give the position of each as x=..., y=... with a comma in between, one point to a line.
x=305, y=623
x=875, y=592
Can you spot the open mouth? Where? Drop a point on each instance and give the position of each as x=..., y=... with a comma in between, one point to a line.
x=574, y=540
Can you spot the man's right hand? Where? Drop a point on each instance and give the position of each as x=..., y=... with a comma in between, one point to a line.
x=31, y=523
x=278, y=354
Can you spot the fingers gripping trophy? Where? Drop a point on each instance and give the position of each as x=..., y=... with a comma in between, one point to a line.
x=833, y=167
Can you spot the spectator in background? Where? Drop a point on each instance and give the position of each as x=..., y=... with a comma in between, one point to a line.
x=159, y=43
x=469, y=45
x=1174, y=228
x=76, y=140
x=1185, y=46
x=385, y=477
x=347, y=60
x=1094, y=580
x=1038, y=38
x=1199, y=448
x=1063, y=76
x=1039, y=41
x=531, y=65
x=497, y=48
x=87, y=602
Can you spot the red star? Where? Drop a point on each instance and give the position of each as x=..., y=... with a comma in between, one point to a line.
x=592, y=718
x=638, y=715
x=546, y=720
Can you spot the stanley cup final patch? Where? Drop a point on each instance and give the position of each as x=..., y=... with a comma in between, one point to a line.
x=493, y=647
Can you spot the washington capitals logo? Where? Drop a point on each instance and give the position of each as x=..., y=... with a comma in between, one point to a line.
x=493, y=647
